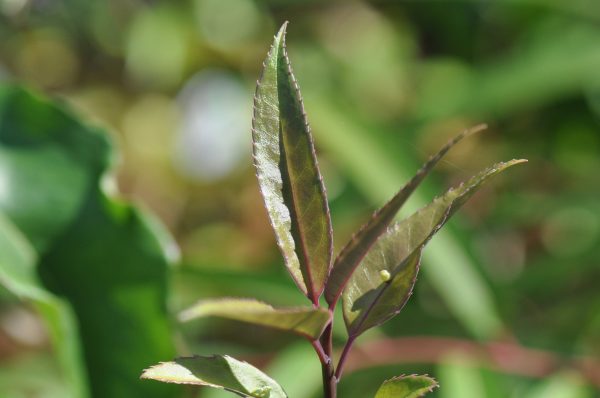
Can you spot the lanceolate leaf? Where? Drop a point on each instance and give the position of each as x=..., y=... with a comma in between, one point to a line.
x=358, y=246
x=305, y=321
x=369, y=300
x=217, y=371
x=406, y=387
x=288, y=174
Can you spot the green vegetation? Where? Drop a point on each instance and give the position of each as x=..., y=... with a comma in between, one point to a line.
x=111, y=111
x=92, y=265
x=374, y=273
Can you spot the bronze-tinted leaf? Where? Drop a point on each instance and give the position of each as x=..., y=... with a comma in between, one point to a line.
x=358, y=246
x=369, y=300
x=288, y=174
x=305, y=321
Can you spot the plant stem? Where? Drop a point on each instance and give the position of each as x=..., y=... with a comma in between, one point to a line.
x=342, y=361
x=329, y=379
x=323, y=358
x=329, y=382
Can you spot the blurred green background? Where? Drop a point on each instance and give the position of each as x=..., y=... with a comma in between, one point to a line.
x=508, y=302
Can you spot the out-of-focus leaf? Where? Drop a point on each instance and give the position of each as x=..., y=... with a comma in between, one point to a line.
x=412, y=386
x=568, y=54
x=17, y=263
x=104, y=259
x=47, y=162
x=266, y=286
x=561, y=385
x=111, y=267
x=459, y=377
x=288, y=174
x=367, y=299
x=358, y=246
x=33, y=375
x=18, y=275
x=217, y=371
x=306, y=321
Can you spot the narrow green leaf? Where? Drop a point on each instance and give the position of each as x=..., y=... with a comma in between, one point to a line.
x=288, y=173
x=358, y=246
x=412, y=386
x=217, y=371
x=368, y=300
x=306, y=321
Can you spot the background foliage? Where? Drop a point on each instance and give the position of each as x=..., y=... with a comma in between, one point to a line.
x=507, y=304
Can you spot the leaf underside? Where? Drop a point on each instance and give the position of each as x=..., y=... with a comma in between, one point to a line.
x=288, y=173
x=359, y=245
x=217, y=371
x=368, y=300
x=412, y=386
x=306, y=321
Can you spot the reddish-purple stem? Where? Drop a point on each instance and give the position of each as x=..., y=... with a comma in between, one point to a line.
x=340, y=366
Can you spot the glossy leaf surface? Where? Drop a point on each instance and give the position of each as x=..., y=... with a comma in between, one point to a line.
x=93, y=266
x=413, y=386
x=306, y=321
x=358, y=246
x=217, y=371
x=367, y=300
x=288, y=174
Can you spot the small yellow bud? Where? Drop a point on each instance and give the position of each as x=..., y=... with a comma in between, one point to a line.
x=263, y=392
x=384, y=275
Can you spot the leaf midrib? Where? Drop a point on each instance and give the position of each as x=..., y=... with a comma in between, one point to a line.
x=294, y=220
x=356, y=331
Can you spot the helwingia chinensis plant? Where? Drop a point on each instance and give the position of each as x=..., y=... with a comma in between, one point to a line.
x=373, y=275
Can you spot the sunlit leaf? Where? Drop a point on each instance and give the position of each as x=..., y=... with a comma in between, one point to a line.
x=367, y=299
x=358, y=246
x=306, y=321
x=288, y=174
x=412, y=386
x=217, y=371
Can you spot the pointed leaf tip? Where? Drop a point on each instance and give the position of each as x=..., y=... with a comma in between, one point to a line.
x=288, y=173
x=282, y=30
x=412, y=386
x=217, y=371
x=367, y=301
x=359, y=245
